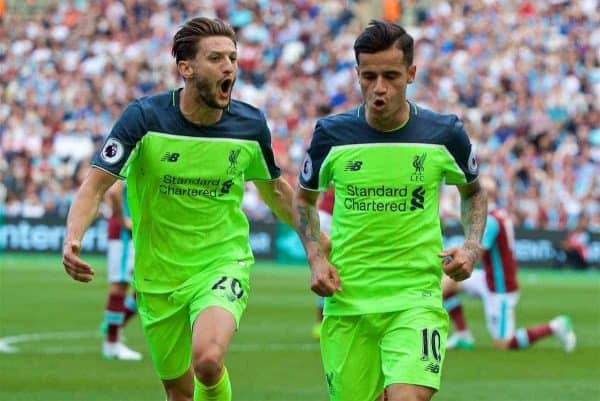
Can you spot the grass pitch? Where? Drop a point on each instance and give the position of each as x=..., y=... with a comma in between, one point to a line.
x=51, y=325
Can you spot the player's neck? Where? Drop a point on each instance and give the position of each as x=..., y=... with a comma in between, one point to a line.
x=388, y=123
x=195, y=110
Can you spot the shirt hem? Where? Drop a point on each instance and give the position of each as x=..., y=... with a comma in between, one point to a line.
x=368, y=311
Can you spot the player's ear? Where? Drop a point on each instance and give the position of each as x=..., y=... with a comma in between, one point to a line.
x=412, y=72
x=185, y=69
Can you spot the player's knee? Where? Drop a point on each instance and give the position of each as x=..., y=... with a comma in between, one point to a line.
x=407, y=392
x=180, y=394
x=411, y=397
x=208, y=364
x=501, y=344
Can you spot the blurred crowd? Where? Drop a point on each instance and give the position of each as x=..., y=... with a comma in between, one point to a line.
x=524, y=76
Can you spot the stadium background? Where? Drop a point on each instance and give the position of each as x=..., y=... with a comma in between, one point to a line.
x=523, y=75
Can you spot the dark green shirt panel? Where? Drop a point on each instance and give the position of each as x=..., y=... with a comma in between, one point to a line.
x=463, y=153
x=122, y=140
x=160, y=113
x=316, y=154
x=424, y=126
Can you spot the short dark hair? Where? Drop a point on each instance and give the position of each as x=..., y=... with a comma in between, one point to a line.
x=185, y=41
x=379, y=36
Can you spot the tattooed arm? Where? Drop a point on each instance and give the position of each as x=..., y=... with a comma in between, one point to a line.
x=307, y=222
x=473, y=215
x=278, y=195
x=324, y=277
x=473, y=211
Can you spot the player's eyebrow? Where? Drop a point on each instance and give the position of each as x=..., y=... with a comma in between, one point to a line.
x=377, y=72
x=219, y=52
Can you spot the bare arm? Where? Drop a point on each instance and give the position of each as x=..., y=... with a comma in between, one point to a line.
x=307, y=222
x=278, y=195
x=473, y=215
x=83, y=211
x=325, y=279
x=473, y=211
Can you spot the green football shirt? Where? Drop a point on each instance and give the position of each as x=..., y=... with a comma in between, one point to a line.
x=386, y=230
x=185, y=185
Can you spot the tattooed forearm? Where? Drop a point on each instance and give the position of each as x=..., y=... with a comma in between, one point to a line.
x=309, y=229
x=473, y=215
x=309, y=223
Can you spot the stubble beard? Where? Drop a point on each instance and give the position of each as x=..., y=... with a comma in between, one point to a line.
x=205, y=95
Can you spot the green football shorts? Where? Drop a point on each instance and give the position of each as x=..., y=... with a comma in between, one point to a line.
x=363, y=354
x=167, y=319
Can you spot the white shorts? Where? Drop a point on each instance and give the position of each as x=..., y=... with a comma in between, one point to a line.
x=325, y=222
x=499, y=309
x=120, y=260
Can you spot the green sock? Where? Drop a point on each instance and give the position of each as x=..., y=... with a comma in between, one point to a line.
x=217, y=392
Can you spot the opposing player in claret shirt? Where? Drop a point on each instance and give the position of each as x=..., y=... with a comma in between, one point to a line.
x=497, y=287
x=186, y=154
x=385, y=326
x=121, y=305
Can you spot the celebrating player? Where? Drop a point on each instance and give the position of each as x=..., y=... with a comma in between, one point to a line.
x=496, y=285
x=385, y=326
x=186, y=154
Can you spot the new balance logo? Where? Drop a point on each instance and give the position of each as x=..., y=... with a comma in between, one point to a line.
x=353, y=165
x=433, y=368
x=170, y=157
x=418, y=199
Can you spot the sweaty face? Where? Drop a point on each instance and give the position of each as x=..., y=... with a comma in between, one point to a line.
x=215, y=69
x=383, y=78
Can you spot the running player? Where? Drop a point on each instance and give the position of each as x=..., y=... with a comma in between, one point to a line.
x=496, y=285
x=186, y=154
x=385, y=326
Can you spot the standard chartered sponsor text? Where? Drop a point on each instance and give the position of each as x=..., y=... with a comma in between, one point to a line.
x=374, y=206
x=379, y=190
x=200, y=181
x=357, y=194
x=189, y=186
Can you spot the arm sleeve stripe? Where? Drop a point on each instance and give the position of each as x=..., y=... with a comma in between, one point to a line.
x=120, y=177
x=308, y=189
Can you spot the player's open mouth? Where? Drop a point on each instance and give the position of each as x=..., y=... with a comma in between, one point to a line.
x=226, y=86
x=379, y=103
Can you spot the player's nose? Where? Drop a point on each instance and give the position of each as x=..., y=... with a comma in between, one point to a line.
x=228, y=66
x=380, y=87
